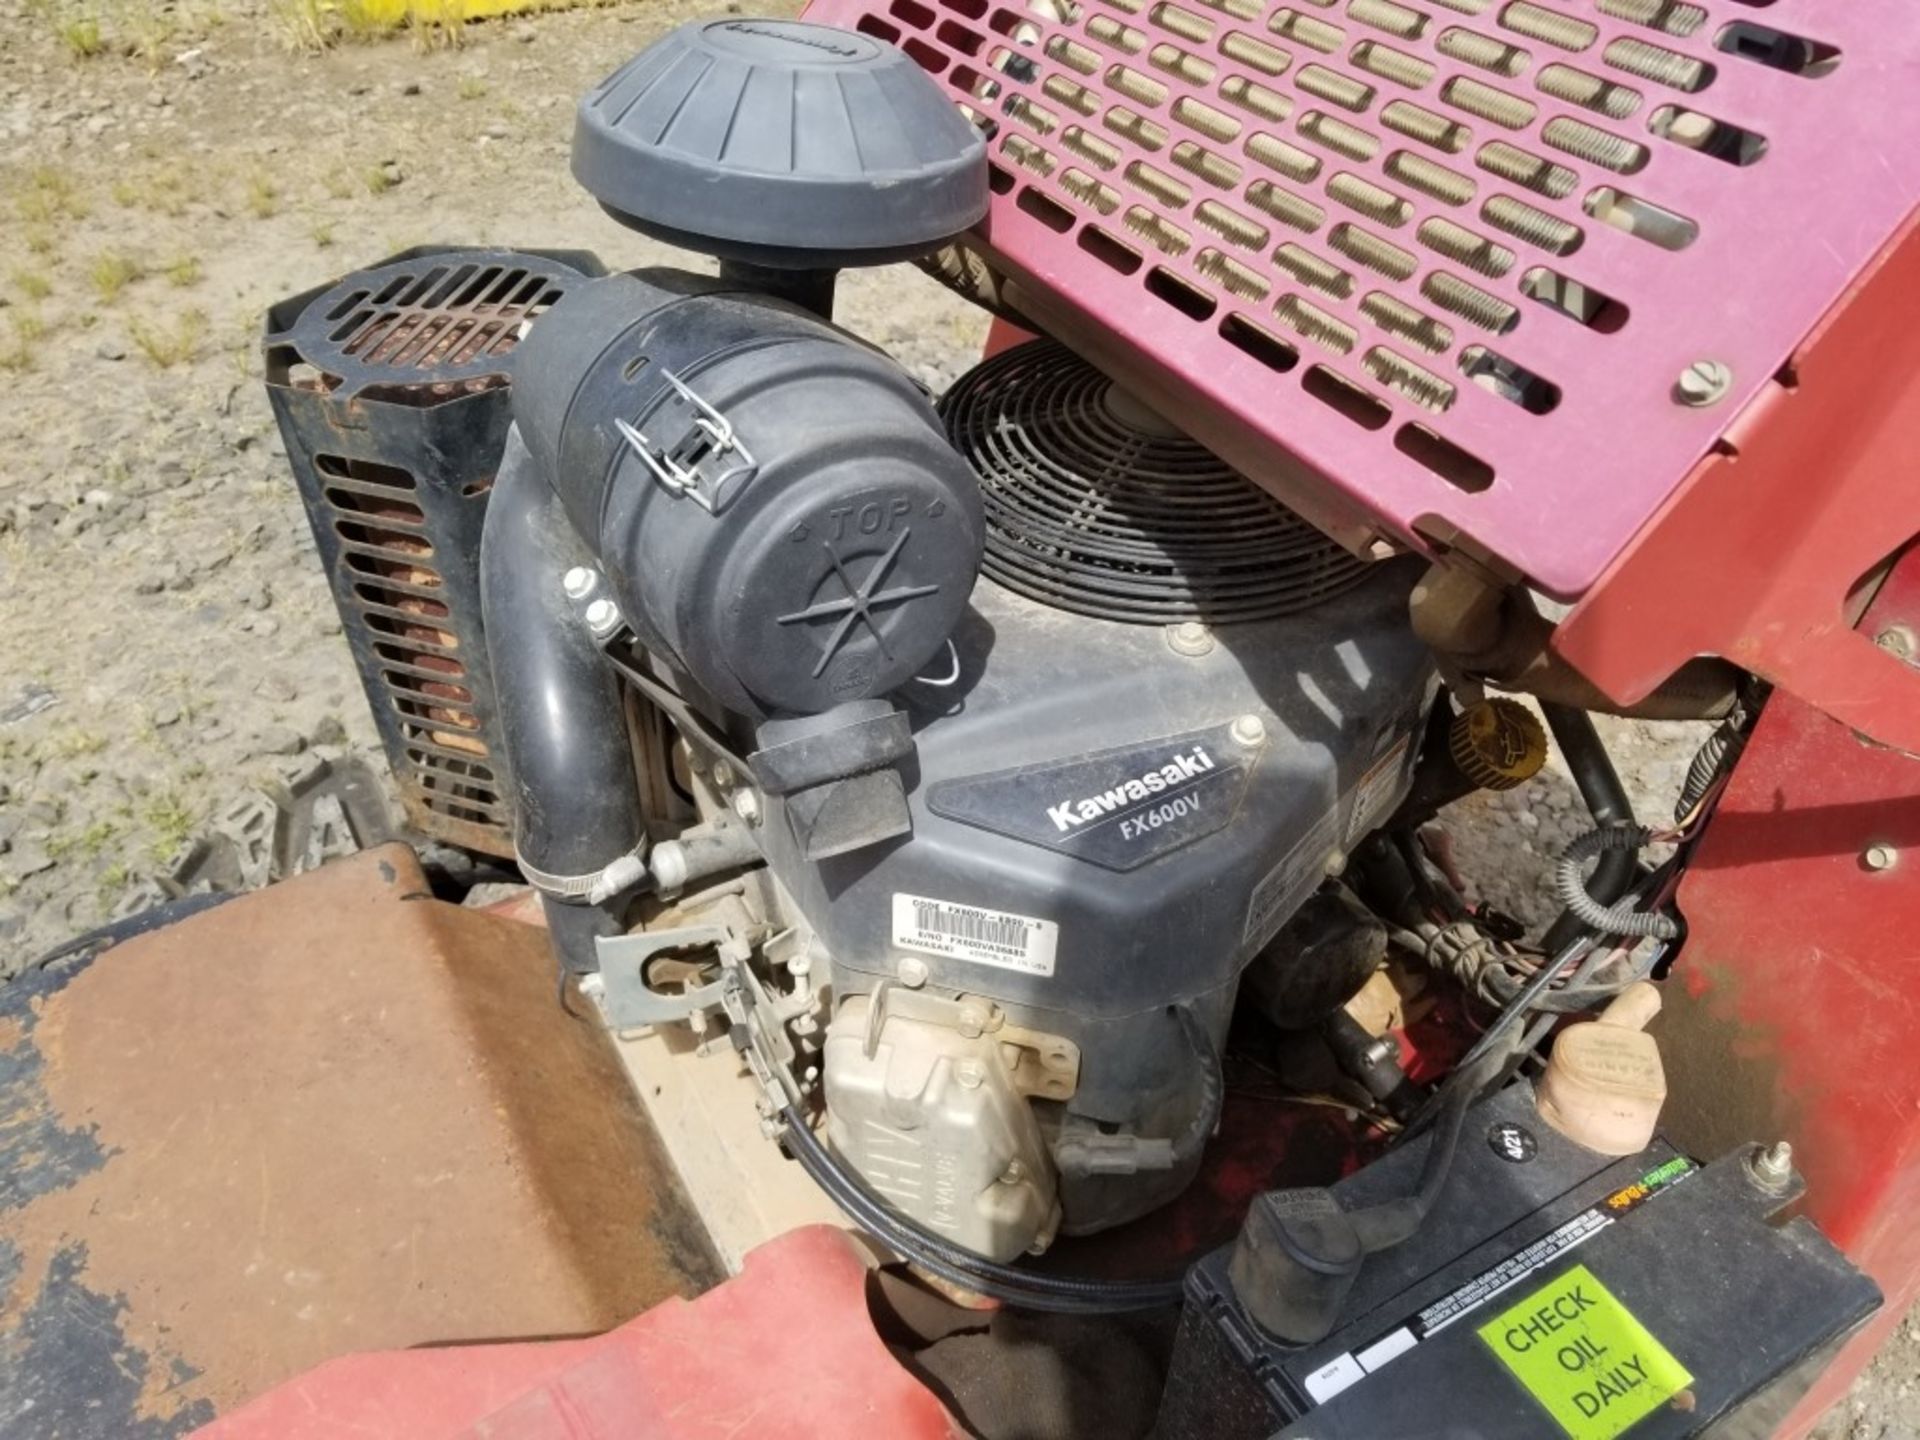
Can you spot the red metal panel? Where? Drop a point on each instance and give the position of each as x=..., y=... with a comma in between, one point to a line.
x=1797, y=1008
x=784, y=1351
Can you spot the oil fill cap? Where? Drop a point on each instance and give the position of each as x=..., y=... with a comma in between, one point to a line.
x=1497, y=744
x=781, y=143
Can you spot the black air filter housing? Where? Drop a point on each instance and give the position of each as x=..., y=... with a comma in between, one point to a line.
x=1096, y=505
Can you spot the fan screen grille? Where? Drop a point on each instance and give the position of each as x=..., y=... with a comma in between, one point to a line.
x=1094, y=506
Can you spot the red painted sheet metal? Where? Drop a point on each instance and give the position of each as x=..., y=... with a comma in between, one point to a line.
x=784, y=1351
x=1797, y=1012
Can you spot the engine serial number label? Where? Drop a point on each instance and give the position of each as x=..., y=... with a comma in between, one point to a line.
x=967, y=932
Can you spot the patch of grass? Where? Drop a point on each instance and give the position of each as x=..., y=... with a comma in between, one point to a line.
x=109, y=273
x=263, y=196
x=87, y=843
x=182, y=271
x=164, y=189
x=115, y=878
x=31, y=284
x=81, y=35
x=48, y=195
x=21, y=348
x=72, y=744
x=172, y=820
x=377, y=180
x=39, y=241
x=470, y=87
x=166, y=345
x=322, y=234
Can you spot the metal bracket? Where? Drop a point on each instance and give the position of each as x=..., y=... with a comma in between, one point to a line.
x=679, y=466
x=631, y=1002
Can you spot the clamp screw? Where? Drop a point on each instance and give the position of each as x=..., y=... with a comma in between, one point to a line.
x=1189, y=637
x=1248, y=730
x=603, y=618
x=577, y=582
x=746, y=805
x=1703, y=383
x=1880, y=857
x=1773, y=1166
x=913, y=972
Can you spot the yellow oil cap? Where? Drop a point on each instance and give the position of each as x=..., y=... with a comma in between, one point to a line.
x=1498, y=744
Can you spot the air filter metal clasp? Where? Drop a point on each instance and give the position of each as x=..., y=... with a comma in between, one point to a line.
x=678, y=466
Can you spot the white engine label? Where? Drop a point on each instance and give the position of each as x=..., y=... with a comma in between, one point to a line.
x=966, y=932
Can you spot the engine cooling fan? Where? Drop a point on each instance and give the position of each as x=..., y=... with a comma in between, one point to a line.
x=1096, y=505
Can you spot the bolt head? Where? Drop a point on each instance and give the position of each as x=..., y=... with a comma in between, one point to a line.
x=746, y=805
x=1899, y=640
x=972, y=1021
x=1249, y=730
x=602, y=617
x=721, y=775
x=1703, y=383
x=577, y=582
x=1189, y=637
x=1880, y=857
x=1773, y=1166
x=913, y=972
x=970, y=1074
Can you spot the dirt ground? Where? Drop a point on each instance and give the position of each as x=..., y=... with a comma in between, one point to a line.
x=167, y=642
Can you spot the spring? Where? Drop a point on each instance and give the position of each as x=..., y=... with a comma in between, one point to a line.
x=1488, y=103
x=1563, y=82
x=1070, y=93
x=1396, y=317
x=1214, y=124
x=1141, y=89
x=1337, y=135
x=1536, y=227
x=1285, y=206
x=1147, y=134
x=1391, y=64
x=1594, y=145
x=1231, y=275
x=1538, y=23
x=1073, y=54
x=1425, y=126
x=1660, y=65
x=1157, y=183
x=1430, y=178
x=1289, y=160
x=1036, y=118
x=1347, y=93
x=1315, y=34
x=1369, y=200
x=1110, y=31
x=1673, y=17
x=1184, y=23
x=1373, y=252
x=1168, y=239
x=1231, y=225
x=1462, y=245
x=1310, y=270
x=1257, y=53
x=1090, y=147
x=1239, y=9
x=1387, y=16
x=1089, y=191
x=1523, y=167
x=1027, y=155
x=1184, y=66
x=1450, y=292
x=1314, y=324
x=1466, y=7
x=1255, y=99
x=1482, y=50
x=1216, y=170
x=1416, y=382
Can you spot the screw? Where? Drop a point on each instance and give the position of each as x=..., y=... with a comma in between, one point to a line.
x=1703, y=383
x=746, y=805
x=1880, y=857
x=577, y=582
x=1773, y=1166
x=1249, y=730
x=1013, y=1174
x=1337, y=863
x=969, y=1074
x=722, y=775
x=971, y=1022
x=1898, y=640
x=913, y=972
x=603, y=618
x=1189, y=637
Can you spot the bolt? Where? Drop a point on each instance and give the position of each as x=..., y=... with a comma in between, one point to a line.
x=1248, y=730
x=1880, y=857
x=1013, y=1174
x=746, y=805
x=1337, y=863
x=913, y=972
x=800, y=966
x=1703, y=383
x=1899, y=640
x=1773, y=1166
x=577, y=582
x=603, y=617
x=969, y=1074
x=722, y=775
x=1189, y=637
x=971, y=1022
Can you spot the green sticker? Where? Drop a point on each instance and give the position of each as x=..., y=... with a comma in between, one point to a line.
x=1582, y=1355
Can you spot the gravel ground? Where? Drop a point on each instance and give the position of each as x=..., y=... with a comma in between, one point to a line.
x=170, y=647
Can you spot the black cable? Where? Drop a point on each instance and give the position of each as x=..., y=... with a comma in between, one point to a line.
x=1606, y=801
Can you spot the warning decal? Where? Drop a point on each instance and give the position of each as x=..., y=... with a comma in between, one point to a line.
x=1582, y=1354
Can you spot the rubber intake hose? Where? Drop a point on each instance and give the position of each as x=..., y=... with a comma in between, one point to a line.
x=576, y=800
x=1606, y=801
x=1619, y=918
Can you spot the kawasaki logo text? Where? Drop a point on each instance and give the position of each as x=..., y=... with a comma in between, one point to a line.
x=1069, y=815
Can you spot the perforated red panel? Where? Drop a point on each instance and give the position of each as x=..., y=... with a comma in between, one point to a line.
x=1455, y=256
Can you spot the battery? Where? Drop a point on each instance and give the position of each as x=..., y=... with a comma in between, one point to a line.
x=1552, y=1292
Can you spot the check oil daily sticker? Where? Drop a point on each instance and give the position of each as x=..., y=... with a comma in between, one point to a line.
x=1585, y=1357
